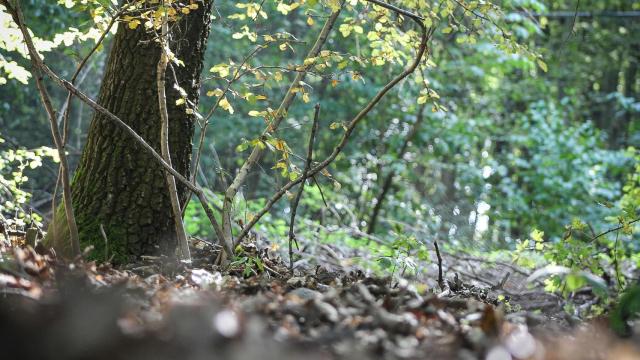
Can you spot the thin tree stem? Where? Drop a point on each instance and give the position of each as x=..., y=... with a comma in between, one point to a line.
x=296, y=200
x=257, y=151
x=164, y=141
x=388, y=181
x=16, y=13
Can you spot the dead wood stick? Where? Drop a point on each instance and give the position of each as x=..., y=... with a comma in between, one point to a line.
x=440, y=277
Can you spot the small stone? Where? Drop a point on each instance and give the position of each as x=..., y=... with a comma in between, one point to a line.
x=296, y=282
x=304, y=293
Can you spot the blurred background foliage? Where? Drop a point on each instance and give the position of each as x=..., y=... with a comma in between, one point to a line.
x=518, y=151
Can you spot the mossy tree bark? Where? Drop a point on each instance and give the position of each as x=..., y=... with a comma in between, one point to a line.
x=117, y=184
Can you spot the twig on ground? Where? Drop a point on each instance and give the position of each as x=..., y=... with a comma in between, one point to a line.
x=500, y=285
x=106, y=243
x=487, y=261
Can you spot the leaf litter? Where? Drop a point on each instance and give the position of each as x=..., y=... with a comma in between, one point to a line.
x=160, y=309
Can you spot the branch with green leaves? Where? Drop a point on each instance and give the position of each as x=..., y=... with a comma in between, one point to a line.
x=426, y=34
x=257, y=151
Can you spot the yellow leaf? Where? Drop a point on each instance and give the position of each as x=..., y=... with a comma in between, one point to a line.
x=277, y=76
x=193, y=6
x=334, y=5
x=215, y=92
x=428, y=22
x=283, y=46
x=310, y=21
x=134, y=24
x=537, y=235
x=221, y=69
x=280, y=144
x=185, y=10
x=305, y=97
x=224, y=103
x=280, y=165
x=283, y=8
x=180, y=101
x=345, y=29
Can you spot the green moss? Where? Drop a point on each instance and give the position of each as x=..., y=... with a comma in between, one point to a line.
x=90, y=235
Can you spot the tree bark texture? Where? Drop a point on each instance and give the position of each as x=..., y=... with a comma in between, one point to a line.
x=117, y=184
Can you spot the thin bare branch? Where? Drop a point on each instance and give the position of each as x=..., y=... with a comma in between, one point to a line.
x=613, y=229
x=203, y=132
x=67, y=107
x=16, y=13
x=164, y=140
x=296, y=201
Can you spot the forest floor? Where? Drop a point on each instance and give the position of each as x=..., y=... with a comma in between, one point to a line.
x=157, y=309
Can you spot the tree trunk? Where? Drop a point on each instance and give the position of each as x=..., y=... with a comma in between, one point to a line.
x=117, y=185
x=388, y=181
